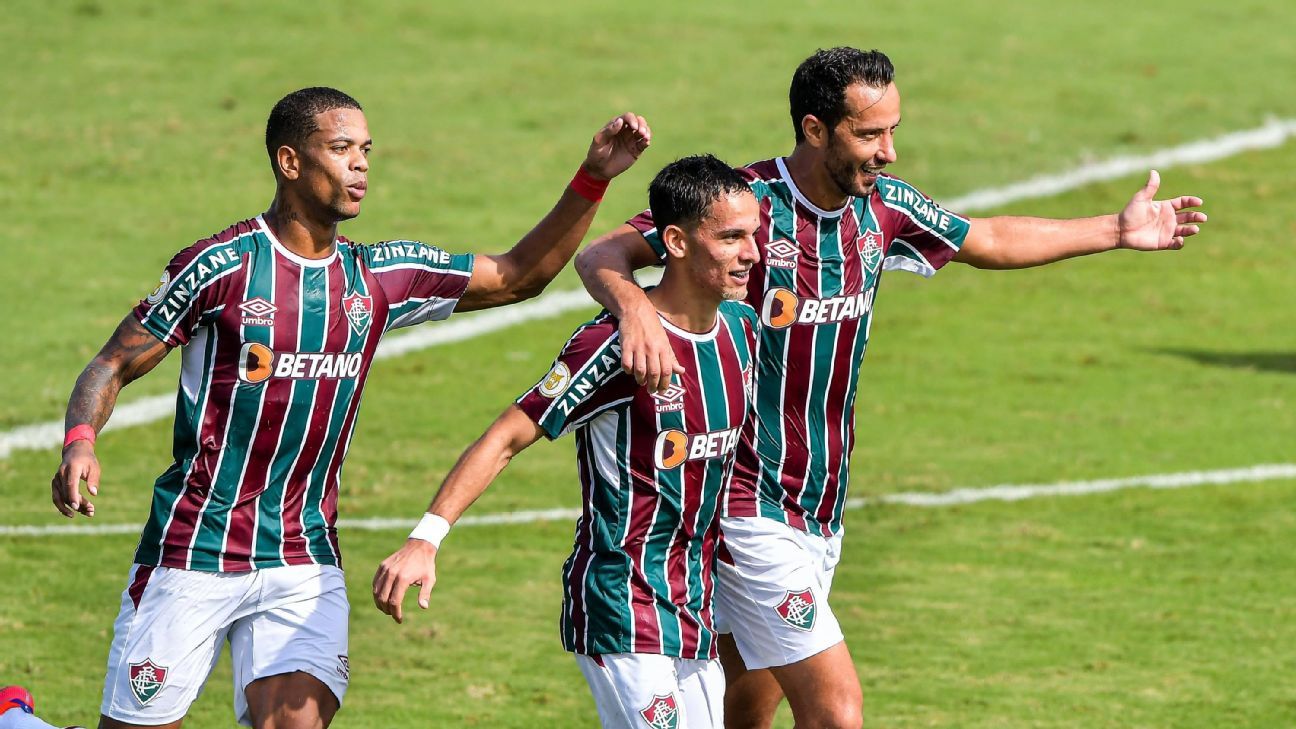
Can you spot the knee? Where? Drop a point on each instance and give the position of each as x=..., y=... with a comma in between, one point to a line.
x=847, y=713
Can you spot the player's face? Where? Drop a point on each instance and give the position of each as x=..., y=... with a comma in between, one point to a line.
x=722, y=250
x=335, y=162
x=864, y=141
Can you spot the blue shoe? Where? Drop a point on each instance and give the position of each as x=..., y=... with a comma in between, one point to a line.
x=16, y=697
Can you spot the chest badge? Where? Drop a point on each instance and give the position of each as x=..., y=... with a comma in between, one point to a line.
x=870, y=247
x=359, y=312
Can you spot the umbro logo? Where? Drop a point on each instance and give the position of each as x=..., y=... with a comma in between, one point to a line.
x=781, y=253
x=257, y=312
x=670, y=401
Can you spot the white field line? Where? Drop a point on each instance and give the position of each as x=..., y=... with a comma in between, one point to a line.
x=958, y=497
x=1272, y=133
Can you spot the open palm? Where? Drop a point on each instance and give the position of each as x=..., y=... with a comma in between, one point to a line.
x=1147, y=224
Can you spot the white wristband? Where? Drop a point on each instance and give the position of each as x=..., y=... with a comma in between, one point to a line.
x=432, y=528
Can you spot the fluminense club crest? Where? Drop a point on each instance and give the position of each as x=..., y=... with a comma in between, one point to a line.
x=358, y=310
x=798, y=609
x=662, y=712
x=870, y=246
x=147, y=679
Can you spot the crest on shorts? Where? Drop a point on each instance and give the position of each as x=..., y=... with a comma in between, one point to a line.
x=798, y=609
x=358, y=310
x=662, y=712
x=147, y=679
x=870, y=245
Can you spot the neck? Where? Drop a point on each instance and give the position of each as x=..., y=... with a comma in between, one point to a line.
x=297, y=231
x=805, y=164
x=683, y=304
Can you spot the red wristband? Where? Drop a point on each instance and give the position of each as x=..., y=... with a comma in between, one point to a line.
x=80, y=432
x=588, y=186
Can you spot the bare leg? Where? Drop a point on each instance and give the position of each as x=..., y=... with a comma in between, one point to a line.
x=751, y=697
x=290, y=701
x=823, y=690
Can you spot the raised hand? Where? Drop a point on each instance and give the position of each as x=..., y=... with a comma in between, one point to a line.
x=617, y=145
x=412, y=564
x=1147, y=224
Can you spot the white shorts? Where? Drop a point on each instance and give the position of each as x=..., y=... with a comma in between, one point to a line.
x=645, y=691
x=173, y=624
x=774, y=595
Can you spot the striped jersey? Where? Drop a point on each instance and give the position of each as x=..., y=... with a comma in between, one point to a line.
x=814, y=288
x=275, y=352
x=653, y=470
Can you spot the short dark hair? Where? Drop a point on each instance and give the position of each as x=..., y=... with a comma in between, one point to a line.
x=292, y=120
x=820, y=82
x=682, y=193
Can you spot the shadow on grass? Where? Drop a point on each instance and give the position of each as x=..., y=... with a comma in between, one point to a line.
x=1265, y=361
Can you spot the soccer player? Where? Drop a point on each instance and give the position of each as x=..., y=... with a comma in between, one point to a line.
x=639, y=583
x=278, y=318
x=831, y=222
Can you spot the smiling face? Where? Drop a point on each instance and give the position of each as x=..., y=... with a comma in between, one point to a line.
x=329, y=174
x=720, y=251
x=863, y=143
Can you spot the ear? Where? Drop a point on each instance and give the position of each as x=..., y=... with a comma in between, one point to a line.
x=288, y=163
x=815, y=131
x=675, y=240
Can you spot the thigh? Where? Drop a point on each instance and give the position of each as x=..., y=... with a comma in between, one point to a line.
x=633, y=690
x=290, y=701
x=166, y=639
x=298, y=626
x=824, y=689
x=772, y=592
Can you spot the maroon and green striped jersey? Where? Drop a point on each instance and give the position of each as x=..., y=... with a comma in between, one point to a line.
x=653, y=469
x=814, y=288
x=275, y=352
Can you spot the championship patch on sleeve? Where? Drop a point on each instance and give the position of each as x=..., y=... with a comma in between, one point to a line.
x=556, y=382
x=160, y=291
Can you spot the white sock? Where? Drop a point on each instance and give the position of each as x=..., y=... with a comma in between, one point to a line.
x=18, y=719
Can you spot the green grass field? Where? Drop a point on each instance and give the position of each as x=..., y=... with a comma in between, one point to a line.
x=134, y=130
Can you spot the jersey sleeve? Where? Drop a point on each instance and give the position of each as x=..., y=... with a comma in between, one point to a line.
x=421, y=282
x=192, y=292
x=585, y=380
x=643, y=222
x=925, y=236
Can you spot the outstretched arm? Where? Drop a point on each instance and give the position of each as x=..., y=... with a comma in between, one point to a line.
x=529, y=266
x=1146, y=224
x=607, y=267
x=415, y=563
x=130, y=353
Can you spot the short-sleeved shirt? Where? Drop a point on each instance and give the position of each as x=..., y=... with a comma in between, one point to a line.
x=814, y=288
x=653, y=470
x=275, y=352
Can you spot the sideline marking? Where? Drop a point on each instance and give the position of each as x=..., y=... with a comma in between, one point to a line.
x=957, y=497
x=1273, y=133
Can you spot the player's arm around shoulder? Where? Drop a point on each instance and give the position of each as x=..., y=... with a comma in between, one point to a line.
x=415, y=562
x=525, y=270
x=606, y=268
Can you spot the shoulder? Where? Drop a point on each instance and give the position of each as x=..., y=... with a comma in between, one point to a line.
x=761, y=176
x=393, y=254
x=600, y=333
x=215, y=254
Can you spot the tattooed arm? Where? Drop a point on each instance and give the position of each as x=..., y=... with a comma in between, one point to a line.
x=130, y=353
